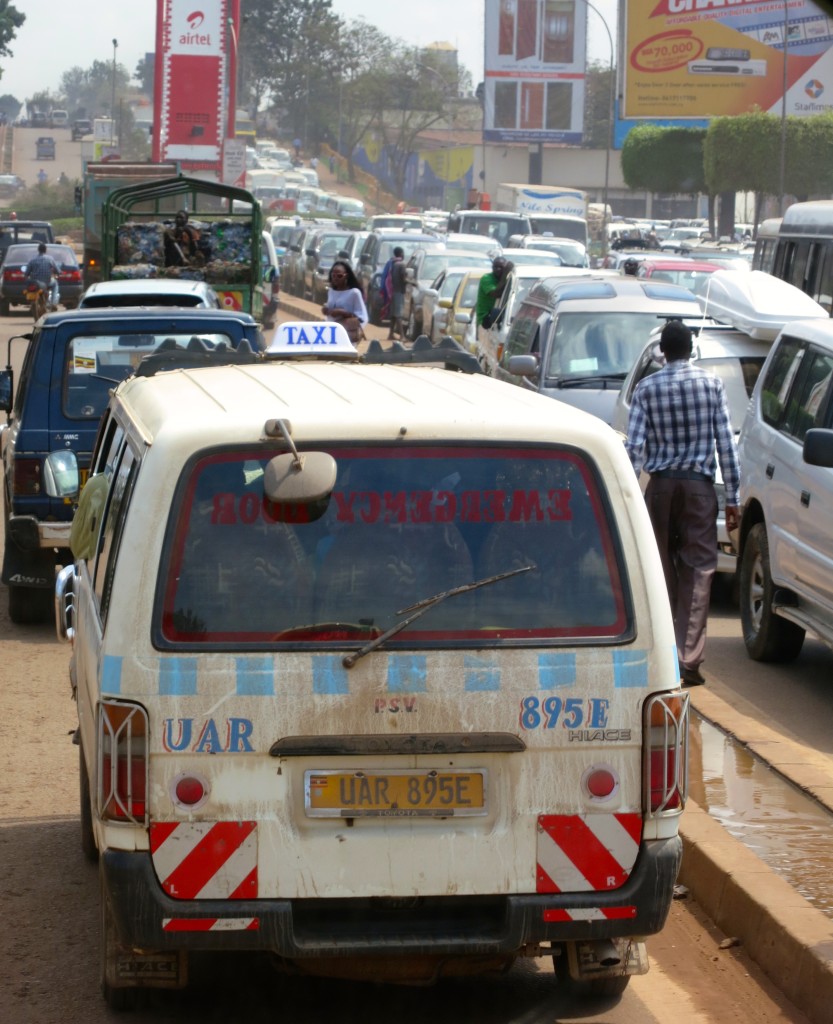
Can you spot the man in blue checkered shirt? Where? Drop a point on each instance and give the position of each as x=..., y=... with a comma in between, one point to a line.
x=678, y=417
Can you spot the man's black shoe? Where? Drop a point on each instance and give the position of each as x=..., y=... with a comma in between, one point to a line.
x=692, y=677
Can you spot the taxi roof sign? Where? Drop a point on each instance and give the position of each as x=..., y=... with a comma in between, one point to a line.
x=309, y=338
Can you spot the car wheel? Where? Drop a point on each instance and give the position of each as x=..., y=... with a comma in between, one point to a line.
x=375, y=313
x=411, y=332
x=766, y=635
x=5, y=309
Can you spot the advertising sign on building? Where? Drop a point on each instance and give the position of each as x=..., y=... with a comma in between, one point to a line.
x=710, y=58
x=534, y=70
x=191, y=108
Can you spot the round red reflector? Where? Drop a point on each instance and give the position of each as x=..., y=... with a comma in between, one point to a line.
x=189, y=790
x=601, y=782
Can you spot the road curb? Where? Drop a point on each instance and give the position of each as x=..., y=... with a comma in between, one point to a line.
x=789, y=939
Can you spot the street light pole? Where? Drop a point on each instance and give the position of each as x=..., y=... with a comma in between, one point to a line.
x=782, y=172
x=113, y=98
x=610, y=116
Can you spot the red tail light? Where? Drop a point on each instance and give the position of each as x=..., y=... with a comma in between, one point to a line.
x=666, y=753
x=27, y=477
x=12, y=275
x=123, y=762
x=70, y=276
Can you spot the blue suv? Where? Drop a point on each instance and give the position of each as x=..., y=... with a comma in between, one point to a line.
x=73, y=360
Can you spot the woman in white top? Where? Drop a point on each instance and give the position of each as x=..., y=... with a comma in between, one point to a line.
x=345, y=298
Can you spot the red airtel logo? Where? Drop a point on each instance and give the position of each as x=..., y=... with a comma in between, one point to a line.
x=195, y=19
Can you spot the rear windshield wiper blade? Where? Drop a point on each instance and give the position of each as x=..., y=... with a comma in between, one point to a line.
x=421, y=607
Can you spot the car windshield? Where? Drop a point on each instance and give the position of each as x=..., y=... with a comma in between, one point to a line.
x=598, y=343
x=691, y=279
x=449, y=286
x=21, y=254
x=572, y=253
x=401, y=527
x=469, y=294
x=96, y=363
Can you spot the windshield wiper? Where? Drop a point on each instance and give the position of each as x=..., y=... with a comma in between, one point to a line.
x=590, y=378
x=421, y=607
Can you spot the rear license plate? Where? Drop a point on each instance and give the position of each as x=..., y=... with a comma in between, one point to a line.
x=394, y=794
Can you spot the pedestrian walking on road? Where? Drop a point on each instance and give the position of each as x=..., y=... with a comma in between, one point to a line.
x=396, y=282
x=345, y=300
x=677, y=417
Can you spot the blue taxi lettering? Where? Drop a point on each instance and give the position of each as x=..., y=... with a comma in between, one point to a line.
x=178, y=736
x=322, y=334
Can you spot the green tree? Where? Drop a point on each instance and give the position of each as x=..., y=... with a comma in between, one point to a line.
x=10, y=106
x=287, y=51
x=10, y=21
x=597, y=83
x=664, y=159
x=89, y=91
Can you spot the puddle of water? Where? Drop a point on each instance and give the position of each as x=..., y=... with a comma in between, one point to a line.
x=787, y=829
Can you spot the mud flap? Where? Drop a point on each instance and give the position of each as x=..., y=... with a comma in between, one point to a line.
x=585, y=965
x=125, y=968
x=28, y=568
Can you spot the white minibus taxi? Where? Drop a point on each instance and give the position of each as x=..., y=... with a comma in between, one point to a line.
x=375, y=671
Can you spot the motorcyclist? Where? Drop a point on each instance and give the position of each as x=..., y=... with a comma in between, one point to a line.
x=43, y=271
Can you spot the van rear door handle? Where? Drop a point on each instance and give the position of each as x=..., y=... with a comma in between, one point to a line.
x=805, y=499
x=770, y=470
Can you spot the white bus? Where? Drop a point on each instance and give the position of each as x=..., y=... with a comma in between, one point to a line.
x=804, y=250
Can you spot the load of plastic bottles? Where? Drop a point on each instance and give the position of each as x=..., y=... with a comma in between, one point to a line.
x=225, y=252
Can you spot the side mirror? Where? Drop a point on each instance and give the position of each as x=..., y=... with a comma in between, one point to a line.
x=523, y=366
x=364, y=259
x=444, y=303
x=60, y=474
x=6, y=390
x=818, y=447
x=462, y=318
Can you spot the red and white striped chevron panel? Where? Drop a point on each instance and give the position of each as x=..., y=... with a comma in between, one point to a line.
x=205, y=860
x=586, y=852
x=210, y=924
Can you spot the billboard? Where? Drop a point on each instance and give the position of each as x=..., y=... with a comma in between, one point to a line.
x=711, y=58
x=191, y=103
x=534, y=67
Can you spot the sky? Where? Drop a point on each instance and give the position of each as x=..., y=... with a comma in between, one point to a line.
x=78, y=33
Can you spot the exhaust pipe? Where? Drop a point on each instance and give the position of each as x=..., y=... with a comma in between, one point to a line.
x=606, y=953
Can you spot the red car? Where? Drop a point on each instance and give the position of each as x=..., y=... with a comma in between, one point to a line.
x=687, y=273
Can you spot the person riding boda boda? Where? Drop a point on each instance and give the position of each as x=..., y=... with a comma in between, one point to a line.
x=43, y=271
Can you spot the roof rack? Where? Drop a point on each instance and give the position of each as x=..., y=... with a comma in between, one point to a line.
x=198, y=354
x=447, y=351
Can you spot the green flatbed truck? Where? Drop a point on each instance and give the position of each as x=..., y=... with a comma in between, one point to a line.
x=138, y=223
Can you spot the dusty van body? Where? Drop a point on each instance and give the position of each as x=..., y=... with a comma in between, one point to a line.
x=426, y=724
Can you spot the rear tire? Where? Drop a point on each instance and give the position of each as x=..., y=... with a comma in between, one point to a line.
x=766, y=635
x=5, y=308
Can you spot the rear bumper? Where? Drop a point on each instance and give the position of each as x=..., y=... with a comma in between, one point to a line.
x=147, y=918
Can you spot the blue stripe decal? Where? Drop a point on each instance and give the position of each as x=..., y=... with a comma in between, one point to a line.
x=178, y=677
x=480, y=674
x=556, y=670
x=255, y=677
x=630, y=669
x=111, y=673
x=329, y=675
x=407, y=674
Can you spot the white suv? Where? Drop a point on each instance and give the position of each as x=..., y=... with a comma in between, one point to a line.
x=786, y=533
